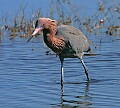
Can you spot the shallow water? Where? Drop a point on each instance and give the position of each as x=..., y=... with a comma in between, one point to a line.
x=31, y=79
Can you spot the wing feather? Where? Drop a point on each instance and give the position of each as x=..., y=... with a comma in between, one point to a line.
x=74, y=37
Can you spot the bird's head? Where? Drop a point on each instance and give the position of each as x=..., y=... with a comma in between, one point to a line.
x=44, y=23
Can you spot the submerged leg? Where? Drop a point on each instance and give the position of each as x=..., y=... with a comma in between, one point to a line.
x=85, y=68
x=62, y=71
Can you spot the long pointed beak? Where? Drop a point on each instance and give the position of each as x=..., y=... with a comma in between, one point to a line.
x=30, y=38
x=35, y=33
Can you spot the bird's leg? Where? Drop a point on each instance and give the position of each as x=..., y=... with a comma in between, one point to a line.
x=62, y=71
x=85, y=68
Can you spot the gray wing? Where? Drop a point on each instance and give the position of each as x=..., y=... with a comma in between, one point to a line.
x=74, y=38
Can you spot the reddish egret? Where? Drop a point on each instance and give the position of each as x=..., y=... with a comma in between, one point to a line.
x=66, y=41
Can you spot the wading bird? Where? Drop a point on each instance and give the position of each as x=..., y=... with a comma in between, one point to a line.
x=66, y=41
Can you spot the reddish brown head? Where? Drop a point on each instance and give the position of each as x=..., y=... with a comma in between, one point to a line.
x=45, y=23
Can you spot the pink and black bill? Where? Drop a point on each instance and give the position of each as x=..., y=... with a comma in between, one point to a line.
x=37, y=29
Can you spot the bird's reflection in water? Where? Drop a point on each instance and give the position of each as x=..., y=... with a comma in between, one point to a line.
x=81, y=101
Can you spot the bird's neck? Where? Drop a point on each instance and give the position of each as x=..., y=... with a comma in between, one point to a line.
x=49, y=33
x=55, y=43
x=48, y=36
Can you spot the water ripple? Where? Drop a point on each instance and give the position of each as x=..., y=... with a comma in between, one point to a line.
x=30, y=78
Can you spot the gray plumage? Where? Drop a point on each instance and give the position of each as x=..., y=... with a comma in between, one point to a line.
x=74, y=38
